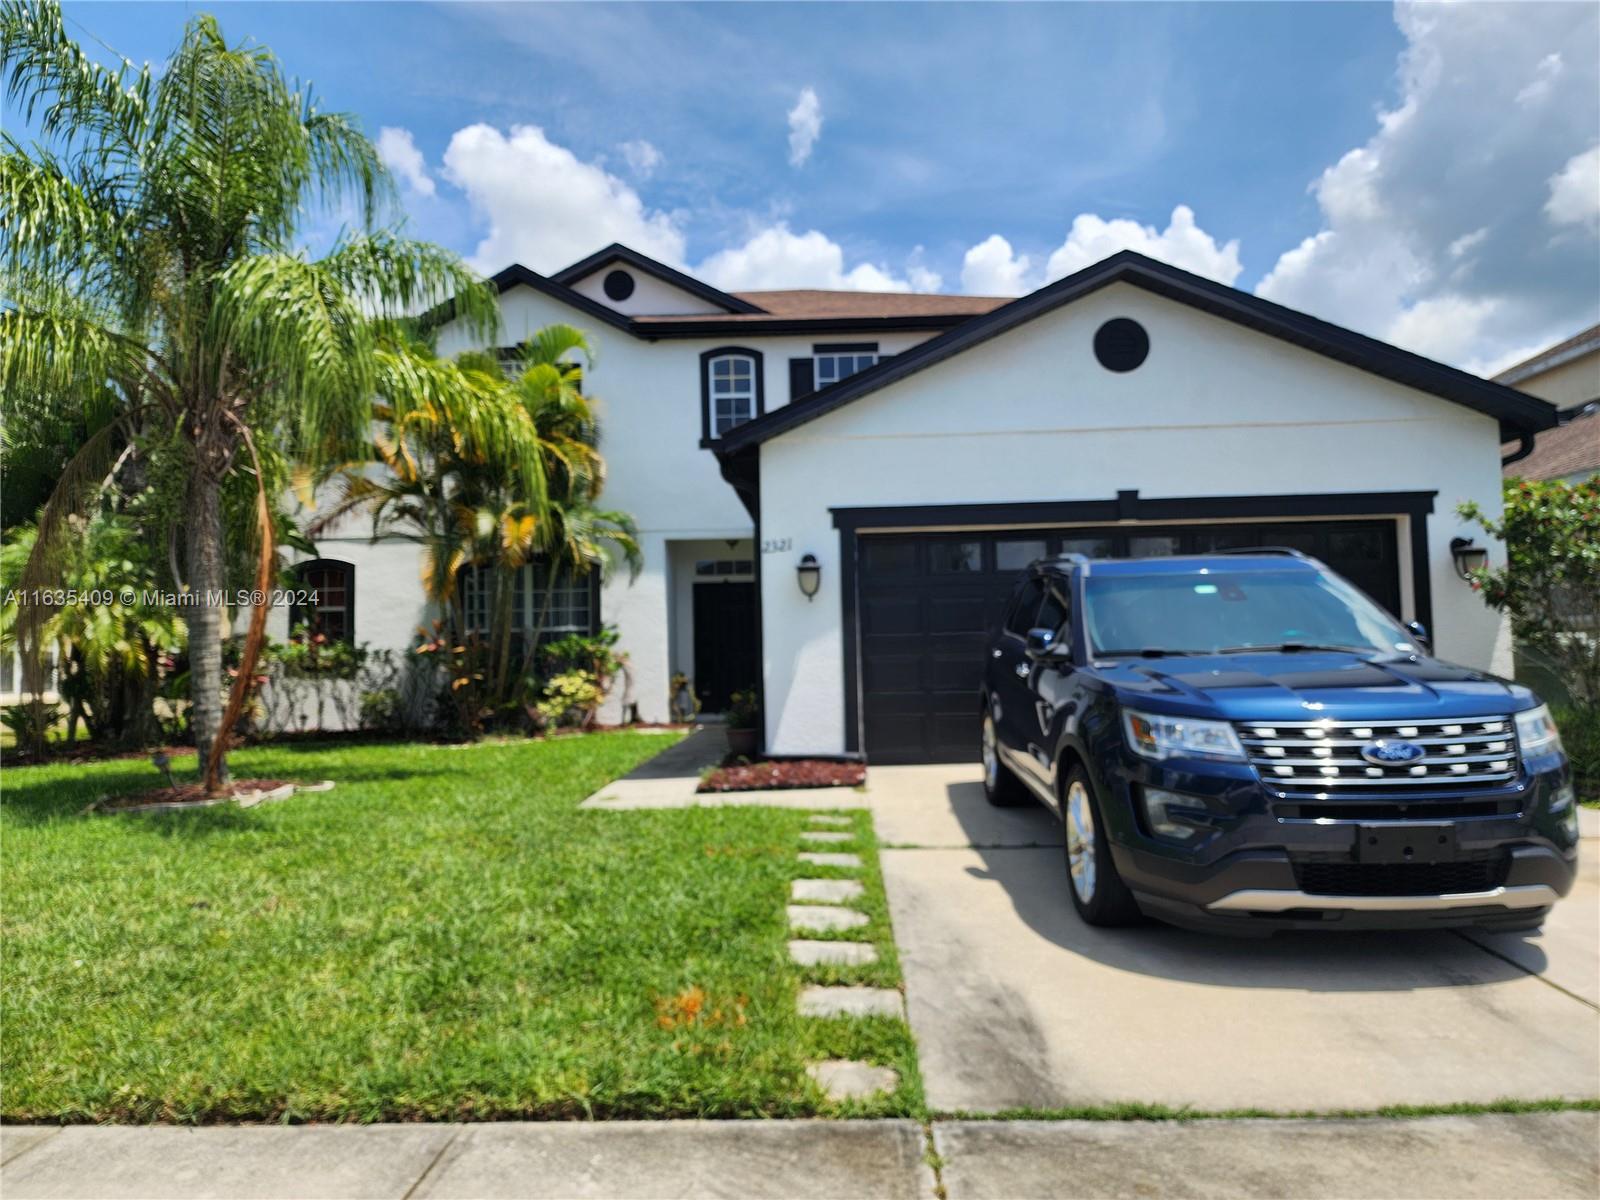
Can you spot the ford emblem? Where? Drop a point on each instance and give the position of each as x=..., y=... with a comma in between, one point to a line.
x=1384, y=753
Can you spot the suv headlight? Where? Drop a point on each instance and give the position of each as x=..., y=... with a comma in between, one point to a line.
x=1537, y=733
x=1159, y=737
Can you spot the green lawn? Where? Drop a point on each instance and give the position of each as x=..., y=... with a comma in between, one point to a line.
x=444, y=935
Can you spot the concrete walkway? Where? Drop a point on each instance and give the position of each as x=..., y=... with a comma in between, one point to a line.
x=1535, y=1155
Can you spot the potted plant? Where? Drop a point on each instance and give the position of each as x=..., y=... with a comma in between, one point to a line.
x=744, y=711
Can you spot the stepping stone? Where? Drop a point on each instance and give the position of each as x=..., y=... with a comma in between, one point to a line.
x=830, y=860
x=832, y=954
x=824, y=916
x=827, y=819
x=829, y=891
x=825, y=835
x=851, y=1002
x=845, y=1080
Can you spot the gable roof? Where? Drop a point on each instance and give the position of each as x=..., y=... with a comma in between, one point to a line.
x=617, y=252
x=1547, y=359
x=1517, y=412
x=795, y=312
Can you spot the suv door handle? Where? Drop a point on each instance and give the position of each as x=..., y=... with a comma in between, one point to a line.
x=1023, y=670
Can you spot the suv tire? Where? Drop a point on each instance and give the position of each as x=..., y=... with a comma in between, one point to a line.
x=1098, y=892
x=1001, y=788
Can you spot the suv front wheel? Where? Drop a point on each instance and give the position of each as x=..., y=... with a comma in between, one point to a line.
x=1098, y=892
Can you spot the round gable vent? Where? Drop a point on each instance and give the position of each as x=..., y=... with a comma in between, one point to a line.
x=1121, y=344
x=619, y=285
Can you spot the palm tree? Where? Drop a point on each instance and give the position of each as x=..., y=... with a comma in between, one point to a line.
x=150, y=240
x=466, y=509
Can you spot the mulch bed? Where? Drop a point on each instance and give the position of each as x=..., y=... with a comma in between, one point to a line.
x=193, y=794
x=765, y=775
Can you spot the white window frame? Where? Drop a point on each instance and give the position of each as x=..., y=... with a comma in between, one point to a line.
x=837, y=365
x=739, y=401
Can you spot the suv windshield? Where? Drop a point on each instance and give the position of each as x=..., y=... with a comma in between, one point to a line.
x=1217, y=610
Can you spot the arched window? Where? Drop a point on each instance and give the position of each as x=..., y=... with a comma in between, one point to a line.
x=730, y=389
x=331, y=600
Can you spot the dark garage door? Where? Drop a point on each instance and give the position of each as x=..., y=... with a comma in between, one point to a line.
x=929, y=600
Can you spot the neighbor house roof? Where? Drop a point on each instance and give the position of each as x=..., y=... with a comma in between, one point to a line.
x=1575, y=346
x=1517, y=413
x=1572, y=448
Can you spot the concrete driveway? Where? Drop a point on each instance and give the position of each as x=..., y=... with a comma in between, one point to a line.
x=1015, y=1002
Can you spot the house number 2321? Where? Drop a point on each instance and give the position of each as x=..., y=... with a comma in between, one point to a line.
x=776, y=545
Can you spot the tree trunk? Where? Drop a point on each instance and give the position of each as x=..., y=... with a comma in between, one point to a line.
x=204, y=552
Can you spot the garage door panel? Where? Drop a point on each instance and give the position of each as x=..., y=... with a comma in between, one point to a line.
x=957, y=614
x=928, y=601
x=894, y=672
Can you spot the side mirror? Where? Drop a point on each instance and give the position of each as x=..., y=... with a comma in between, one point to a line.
x=1419, y=633
x=1040, y=642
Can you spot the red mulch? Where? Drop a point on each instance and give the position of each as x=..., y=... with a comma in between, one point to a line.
x=187, y=793
x=765, y=775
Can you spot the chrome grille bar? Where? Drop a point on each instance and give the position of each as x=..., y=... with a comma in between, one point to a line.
x=1316, y=756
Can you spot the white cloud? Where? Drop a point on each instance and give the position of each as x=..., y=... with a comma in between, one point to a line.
x=1434, y=232
x=545, y=207
x=642, y=158
x=805, y=126
x=991, y=268
x=400, y=154
x=1575, y=191
x=994, y=268
x=1544, y=77
x=1182, y=243
x=776, y=257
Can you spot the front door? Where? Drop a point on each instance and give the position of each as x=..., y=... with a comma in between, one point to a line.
x=724, y=642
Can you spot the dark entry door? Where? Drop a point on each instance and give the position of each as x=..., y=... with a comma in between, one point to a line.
x=724, y=642
x=928, y=603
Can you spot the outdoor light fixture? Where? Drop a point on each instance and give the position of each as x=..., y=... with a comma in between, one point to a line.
x=1469, y=557
x=810, y=572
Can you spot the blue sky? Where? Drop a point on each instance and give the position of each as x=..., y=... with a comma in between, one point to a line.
x=1393, y=169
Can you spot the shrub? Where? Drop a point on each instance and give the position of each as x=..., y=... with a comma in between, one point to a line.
x=28, y=724
x=570, y=699
x=744, y=710
x=1550, y=585
x=1580, y=734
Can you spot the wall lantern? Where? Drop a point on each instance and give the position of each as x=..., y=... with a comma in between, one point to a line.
x=810, y=572
x=1468, y=557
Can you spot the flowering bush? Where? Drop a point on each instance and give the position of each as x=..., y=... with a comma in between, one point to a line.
x=1550, y=585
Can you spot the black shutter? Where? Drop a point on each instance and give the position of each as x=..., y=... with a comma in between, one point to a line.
x=802, y=377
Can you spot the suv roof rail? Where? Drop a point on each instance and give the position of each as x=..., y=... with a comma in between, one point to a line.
x=1287, y=551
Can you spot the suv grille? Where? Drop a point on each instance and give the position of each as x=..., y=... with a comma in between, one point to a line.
x=1401, y=879
x=1324, y=757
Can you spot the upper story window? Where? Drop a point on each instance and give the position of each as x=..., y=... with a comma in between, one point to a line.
x=330, y=609
x=841, y=363
x=828, y=364
x=730, y=389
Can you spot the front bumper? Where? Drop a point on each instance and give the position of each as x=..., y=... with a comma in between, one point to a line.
x=1248, y=873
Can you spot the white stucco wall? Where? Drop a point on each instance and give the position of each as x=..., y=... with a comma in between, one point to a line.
x=1031, y=416
x=651, y=296
x=648, y=396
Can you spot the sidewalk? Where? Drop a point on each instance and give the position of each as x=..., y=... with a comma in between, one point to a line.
x=1542, y=1154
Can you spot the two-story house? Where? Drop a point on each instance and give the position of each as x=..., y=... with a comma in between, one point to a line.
x=834, y=489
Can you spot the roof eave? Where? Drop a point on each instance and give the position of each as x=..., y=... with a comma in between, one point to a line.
x=1517, y=412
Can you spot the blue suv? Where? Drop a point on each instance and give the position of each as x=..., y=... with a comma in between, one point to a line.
x=1246, y=742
